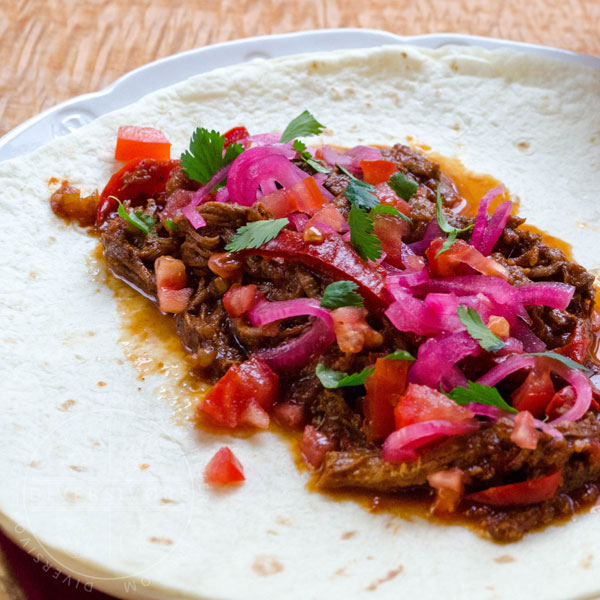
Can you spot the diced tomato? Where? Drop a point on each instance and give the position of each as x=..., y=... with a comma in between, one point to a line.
x=225, y=264
x=499, y=326
x=141, y=142
x=239, y=299
x=536, y=391
x=449, y=487
x=384, y=389
x=388, y=197
x=524, y=433
x=328, y=215
x=250, y=383
x=526, y=492
x=314, y=447
x=422, y=403
x=171, y=279
x=352, y=331
x=289, y=415
x=333, y=257
x=223, y=468
x=390, y=229
x=235, y=134
x=561, y=402
x=377, y=171
x=579, y=342
x=175, y=202
x=451, y=262
x=307, y=195
x=279, y=204
x=136, y=181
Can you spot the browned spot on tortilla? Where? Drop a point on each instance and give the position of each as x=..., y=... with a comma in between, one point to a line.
x=101, y=383
x=390, y=575
x=51, y=239
x=341, y=572
x=161, y=540
x=504, y=559
x=369, y=558
x=144, y=466
x=53, y=180
x=593, y=139
x=77, y=469
x=586, y=563
x=168, y=501
x=454, y=66
x=265, y=565
x=586, y=225
x=95, y=442
x=67, y=405
x=349, y=535
x=404, y=55
x=456, y=126
x=72, y=497
x=32, y=276
x=523, y=146
x=34, y=464
x=272, y=532
x=283, y=521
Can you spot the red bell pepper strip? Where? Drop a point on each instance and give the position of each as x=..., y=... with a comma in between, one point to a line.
x=136, y=181
x=333, y=257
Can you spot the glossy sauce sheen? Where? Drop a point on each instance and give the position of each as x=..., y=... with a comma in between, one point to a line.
x=157, y=350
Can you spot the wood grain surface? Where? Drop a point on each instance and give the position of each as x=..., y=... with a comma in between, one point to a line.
x=51, y=50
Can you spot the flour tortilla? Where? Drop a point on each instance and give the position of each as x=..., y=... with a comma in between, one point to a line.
x=104, y=483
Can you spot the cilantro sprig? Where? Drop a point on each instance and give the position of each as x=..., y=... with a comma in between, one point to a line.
x=254, y=235
x=205, y=156
x=302, y=126
x=445, y=226
x=366, y=243
x=404, y=187
x=341, y=293
x=171, y=226
x=565, y=360
x=481, y=394
x=145, y=223
x=476, y=328
x=317, y=165
x=400, y=355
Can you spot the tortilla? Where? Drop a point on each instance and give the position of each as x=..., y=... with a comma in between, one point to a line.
x=104, y=483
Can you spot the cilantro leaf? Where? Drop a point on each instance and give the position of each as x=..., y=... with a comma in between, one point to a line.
x=303, y=125
x=137, y=218
x=482, y=394
x=361, y=225
x=341, y=293
x=205, y=156
x=565, y=360
x=254, y=235
x=347, y=173
x=444, y=225
x=332, y=380
x=471, y=319
x=389, y=210
x=404, y=187
x=400, y=355
x=317, y=165
x=361, y=194
x=171, y=226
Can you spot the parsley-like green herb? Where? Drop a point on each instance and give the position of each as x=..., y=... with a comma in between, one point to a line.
x=565, y=360
x=347, y=173
x=302, y=126
x=171, y=226
x=482, y=394
x=331, y=379
x=445, y=226
x=341, y=293
x=137, y=218
x=317, y=165
x=400, y=355
x=361, y=194
x=254, y=235
x=471, y=319
x=404, y=187
x=386, y=209
x=364, y=241
x=205, y=156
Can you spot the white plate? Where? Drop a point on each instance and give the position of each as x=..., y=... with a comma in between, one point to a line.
x=72, y=114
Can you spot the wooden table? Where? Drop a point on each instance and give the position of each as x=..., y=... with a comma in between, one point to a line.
x=51, y=50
